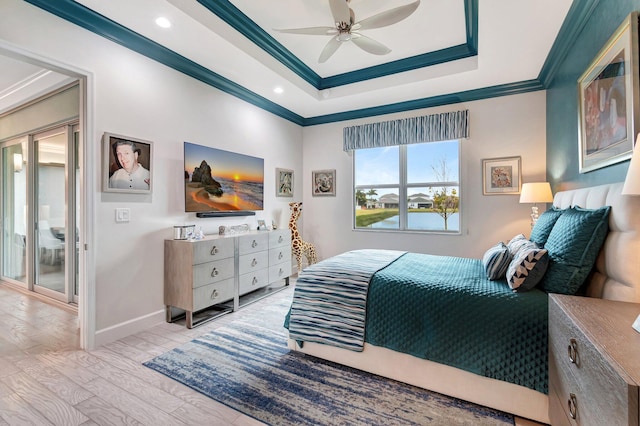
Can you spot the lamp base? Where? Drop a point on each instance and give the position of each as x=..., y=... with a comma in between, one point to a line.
x=534, y=215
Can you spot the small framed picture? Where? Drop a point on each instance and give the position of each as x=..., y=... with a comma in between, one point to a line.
x=284, y=183
x=262, y=226
x=501, y=176
x=127, y=164
x=324, y=182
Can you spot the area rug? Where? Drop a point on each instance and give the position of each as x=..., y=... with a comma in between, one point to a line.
x=247, y=366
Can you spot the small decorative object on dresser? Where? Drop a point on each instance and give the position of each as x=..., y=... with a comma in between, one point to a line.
x=221, y=273
x=594, y=361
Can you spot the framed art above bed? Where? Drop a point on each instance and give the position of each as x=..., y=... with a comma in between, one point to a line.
x=608, y=100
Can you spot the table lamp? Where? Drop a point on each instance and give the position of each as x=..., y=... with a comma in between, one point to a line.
x=536, y=192
x=632, y=187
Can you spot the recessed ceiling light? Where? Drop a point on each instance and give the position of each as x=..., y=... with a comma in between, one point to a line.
x=278, y=90
x=163, y=22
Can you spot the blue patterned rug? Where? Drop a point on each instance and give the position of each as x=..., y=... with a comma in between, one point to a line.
x=247, y=366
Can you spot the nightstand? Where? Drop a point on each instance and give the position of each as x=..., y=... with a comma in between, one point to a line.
x=594, y=361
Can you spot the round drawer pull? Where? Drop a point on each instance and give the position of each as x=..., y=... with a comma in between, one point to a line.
x=572, y=351
x=254, y=262
x=214, y=250
x=254, y=244
x=214, y=294
x=280, y=256
x=214, y=272
x=572, y=402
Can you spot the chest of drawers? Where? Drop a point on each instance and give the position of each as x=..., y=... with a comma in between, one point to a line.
x=594, y=362
x=218, y=269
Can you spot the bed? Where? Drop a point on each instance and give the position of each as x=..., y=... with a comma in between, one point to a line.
x=485, y=342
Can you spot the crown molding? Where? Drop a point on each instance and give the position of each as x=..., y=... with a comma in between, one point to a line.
x=230, y=14
x=103, y=26
x=434, y=101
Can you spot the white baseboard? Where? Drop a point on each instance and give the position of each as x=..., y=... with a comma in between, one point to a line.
x=127, y=328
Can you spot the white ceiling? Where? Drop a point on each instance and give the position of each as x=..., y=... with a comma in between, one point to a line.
x=514, y=39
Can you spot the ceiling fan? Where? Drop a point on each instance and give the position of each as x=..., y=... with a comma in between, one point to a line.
x=347, y=29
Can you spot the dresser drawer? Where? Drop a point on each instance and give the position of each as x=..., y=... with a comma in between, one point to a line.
x=280, y=238
x=208, y=250
x=253, y=243
x=280, y=255
x=280, y=271
x=212, y=272
x=601, y=394
x=253, y=261
x=253, y=281
x=212, y=294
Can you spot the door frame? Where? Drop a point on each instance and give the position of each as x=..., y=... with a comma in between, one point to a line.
x=86, y=155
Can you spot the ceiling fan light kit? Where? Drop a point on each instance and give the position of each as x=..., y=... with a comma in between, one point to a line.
x=346, y=28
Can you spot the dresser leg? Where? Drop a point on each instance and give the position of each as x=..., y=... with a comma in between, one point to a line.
x=167, y=311
x=189, y=318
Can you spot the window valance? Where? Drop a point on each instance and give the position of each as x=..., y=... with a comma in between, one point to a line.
x=428, y=128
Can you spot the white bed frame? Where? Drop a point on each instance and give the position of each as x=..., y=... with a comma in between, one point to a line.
x=617, y=277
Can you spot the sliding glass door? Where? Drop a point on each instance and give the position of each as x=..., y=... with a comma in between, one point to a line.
x=39, y=243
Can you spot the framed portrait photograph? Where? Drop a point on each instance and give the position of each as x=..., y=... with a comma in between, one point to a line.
x=501, y=176
x=284, y=183
x=324, y=183
x=127, y=164
x=608, y=100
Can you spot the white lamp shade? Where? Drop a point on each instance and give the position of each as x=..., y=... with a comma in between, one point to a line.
x=632, y=182
x=536, y=192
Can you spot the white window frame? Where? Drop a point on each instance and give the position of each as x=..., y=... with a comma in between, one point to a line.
x=403, y=188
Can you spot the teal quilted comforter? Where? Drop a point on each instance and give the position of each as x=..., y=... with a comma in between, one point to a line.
x=444, y=309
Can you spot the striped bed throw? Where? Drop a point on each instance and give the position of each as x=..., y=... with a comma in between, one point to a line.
x=330, y=298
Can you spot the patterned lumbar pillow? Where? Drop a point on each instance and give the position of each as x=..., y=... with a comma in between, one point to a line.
x=527, y=268
x=516, y=243
x=496, y=260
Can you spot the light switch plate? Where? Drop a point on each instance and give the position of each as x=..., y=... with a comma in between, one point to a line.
x=122, y=215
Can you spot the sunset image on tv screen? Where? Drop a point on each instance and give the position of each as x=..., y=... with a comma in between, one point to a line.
x=218, y=180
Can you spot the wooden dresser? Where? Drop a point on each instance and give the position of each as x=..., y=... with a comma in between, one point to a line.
x=223, y=272
x=594, y=362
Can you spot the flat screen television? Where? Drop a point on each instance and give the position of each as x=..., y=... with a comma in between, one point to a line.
x=222, y=183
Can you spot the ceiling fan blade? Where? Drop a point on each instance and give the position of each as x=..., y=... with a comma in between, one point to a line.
x=309, y=30
x=389, y=17
x=370, y=45
x=340, y=11
x=329, y=49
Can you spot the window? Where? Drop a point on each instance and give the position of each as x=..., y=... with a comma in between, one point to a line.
x=425, y=176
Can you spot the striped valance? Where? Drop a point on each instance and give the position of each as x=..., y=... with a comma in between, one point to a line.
x=428, y=128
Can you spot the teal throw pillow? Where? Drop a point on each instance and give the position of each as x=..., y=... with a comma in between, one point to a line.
x=496, y=260
x=573, y=246
x=544, y=225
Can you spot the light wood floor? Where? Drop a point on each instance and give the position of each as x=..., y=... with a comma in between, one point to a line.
x=45, y=379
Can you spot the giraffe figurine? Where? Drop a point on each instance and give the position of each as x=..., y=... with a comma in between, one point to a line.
x=298, y=246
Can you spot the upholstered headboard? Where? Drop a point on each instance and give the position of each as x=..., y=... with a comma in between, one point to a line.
x=617, y=270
